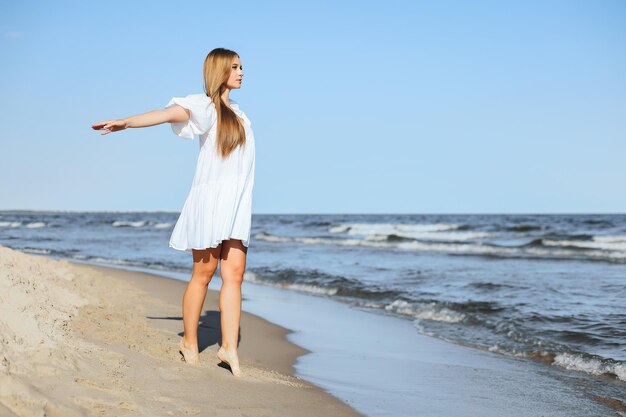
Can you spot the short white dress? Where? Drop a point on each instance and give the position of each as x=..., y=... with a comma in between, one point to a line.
x=219, y=204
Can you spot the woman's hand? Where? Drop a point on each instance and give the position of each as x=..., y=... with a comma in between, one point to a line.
x=151, y=118
x=110, y=126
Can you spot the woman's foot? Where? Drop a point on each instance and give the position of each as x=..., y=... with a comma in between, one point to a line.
x=230, y=357
x=190, y=355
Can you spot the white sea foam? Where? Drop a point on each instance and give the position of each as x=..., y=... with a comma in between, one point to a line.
x=596, y=254
x=445, y=236
x=611, y=238
x=425, y=311
x=123, y=223
x=162, y=225
x=10, y=224
x=616, y=243
x=321, y=240
x=36, y=225
x=591, y=366
x=369, y=304
x=401, y=307
x=311, y=288
x=432, y=231
x=496, y=348
x=112, y=261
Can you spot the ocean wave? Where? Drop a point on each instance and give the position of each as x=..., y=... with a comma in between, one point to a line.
x=414, y=231
x=453, y=321
x=35, y=225
x=154, y=265
x=434, y=236
x=401, y=229
x=418, y=311
x=317, y=223
x=126, y=223
x=446, y=311
x=521, y=228
x=313, y=289
x=609, y=243
x=533, y=249
x=10, y=224
x=141, y=223
x=425, y=311
x=591, y=365
x=309, y=288
x=601, y=222
x=549, y=353
x=36, y=251
x=317, y=282
x=573, y=361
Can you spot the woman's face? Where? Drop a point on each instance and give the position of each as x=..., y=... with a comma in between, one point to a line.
x=236, y=74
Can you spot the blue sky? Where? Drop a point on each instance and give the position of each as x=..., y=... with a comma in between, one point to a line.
x=357, y=107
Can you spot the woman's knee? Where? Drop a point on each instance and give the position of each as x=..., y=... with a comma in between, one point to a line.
x=205, y=264
x=203, y=275
x=233, y=261
x=232, y=273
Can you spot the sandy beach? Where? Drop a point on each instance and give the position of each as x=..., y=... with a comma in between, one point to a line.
x=81, y=340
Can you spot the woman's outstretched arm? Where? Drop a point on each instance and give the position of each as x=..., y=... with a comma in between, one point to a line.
x=173, y=114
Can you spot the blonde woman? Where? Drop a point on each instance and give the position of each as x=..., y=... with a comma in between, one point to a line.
x=215, y=221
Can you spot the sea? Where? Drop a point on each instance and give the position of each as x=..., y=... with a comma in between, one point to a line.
x=550, y=288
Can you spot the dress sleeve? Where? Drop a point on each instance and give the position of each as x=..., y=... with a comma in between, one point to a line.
x=201, y=111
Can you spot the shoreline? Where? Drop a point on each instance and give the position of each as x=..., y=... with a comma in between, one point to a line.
x=371, y=353
x=380, y=365
x=82, y=340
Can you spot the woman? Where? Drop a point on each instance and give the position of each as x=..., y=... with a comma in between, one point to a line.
x=215, y=221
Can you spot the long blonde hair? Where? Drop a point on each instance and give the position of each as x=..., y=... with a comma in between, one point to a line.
x=230, y=131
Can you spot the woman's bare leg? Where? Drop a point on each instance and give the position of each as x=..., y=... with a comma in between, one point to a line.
x=204, y=266
x=232, y=267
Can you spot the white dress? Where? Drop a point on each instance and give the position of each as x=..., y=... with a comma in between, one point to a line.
x=219, y=204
